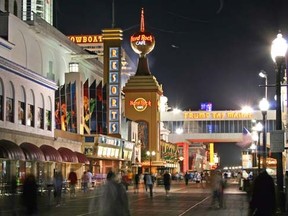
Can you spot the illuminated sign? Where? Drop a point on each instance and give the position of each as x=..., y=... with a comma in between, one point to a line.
x=217, y=115
x=140, y=104
x=82, y=39
x=142, y=42
x=114, y=91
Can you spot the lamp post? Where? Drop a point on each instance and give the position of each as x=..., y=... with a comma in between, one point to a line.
x=264, y=75
x=150, y=155
x=278, y=53
x=264, y=106
x=259, y=128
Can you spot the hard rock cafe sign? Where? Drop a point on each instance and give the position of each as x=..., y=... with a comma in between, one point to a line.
x=140, y=104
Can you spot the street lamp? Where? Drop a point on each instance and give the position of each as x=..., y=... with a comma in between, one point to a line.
x=150, y=155
x=259, y=128
x=264, y=75
x=264, y=106
x=278, y=53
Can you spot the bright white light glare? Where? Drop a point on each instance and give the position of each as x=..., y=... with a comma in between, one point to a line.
x=176, y=110
x=247, y=109
x=259, y=126
x=264, y=104
x=279, y=47
x=179, y=131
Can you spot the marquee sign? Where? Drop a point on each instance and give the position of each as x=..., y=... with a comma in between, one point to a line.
x=114, y=90
x=217, y=115
x=140, y=104
x=82, y=39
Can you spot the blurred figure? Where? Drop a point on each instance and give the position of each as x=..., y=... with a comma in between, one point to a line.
x=186, y=176
x=125, y=181
x=167, y=182
x=13, y=191
x=58, y=184
x=217, y=189
x=85, y=181
x=29, y=196
x=144, y=180
x=72, y=177
x=263, y=201
x=149, y=184
x=90, y=175
x=136, y=183
x=113, y=199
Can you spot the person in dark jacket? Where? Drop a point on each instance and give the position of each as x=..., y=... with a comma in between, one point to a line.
x=111, y=199
x=167, y=182
x=263, y=201
x=29, y=195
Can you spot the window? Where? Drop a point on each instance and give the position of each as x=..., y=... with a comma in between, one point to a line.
x=1, y=101
x=40, y=118
x=9, y=110
x=22, y=107
x=48, y=115
x=73, y=67
x=30, y=117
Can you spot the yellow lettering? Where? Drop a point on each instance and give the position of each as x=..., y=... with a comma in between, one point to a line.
x=114, y=90
x=114, y=115
x=78, y=39
x=114, y=53
x=113, y=103
x=114, y=65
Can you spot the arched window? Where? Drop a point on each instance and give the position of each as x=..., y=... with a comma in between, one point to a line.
x=6, y=5
x=31, y=109
x=1, y=101
x=22, y=106
x=40, y=113
x=48, y=121
x=10, y=103
x=15, y=9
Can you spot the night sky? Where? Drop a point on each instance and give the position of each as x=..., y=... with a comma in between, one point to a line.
x=206, y=50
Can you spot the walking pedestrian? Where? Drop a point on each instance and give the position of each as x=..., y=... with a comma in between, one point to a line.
x=217, y=190
x=113, y=199
x=187, y=177
x=263, y=201
x=85, y=181
x=72, y=177
x=29, y=195
x=167, y=182
x=149, y=184
x=136, y=183
x=58, y=184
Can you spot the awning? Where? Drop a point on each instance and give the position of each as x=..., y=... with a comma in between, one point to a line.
x=32, y=152
x=68, y=155
x=50, y=153
x=82, y=158
x=10, y=150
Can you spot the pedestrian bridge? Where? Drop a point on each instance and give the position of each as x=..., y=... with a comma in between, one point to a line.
x=213, y=126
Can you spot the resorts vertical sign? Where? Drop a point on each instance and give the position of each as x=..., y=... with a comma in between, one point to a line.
x=114, y=90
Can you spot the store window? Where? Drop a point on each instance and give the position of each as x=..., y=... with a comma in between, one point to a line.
x=40, y=114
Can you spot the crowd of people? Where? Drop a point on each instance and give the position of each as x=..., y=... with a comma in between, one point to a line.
x=114, y=191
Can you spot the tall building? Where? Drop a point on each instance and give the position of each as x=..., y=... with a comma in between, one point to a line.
x=27, y=9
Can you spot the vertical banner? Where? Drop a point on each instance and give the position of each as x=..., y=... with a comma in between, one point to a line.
x=57, y=110
x=63, y=109
x=93, y=119
x=114, y=90
x=86, y=104
x=69, y=106
x=73, y=108
x=211, y=151
x=99, y=108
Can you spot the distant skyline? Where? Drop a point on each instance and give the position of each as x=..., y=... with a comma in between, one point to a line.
x=206, y=50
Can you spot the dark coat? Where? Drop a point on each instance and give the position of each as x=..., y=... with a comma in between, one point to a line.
x=263, y=200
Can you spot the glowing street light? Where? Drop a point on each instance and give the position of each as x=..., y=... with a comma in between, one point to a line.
x=150, y=155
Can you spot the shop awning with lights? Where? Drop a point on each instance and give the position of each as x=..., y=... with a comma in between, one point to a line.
x=68, y=155
x=50, y=153
x=32, y=152
x=10, y=150
x=82, y=158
